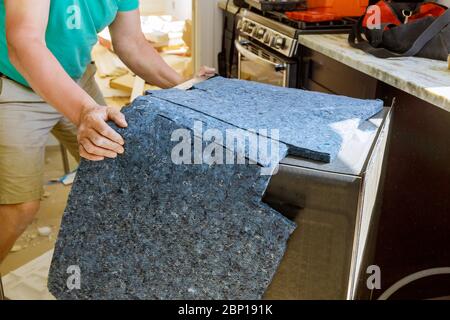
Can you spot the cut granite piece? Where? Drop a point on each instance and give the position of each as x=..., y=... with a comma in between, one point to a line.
x=187, y=117
x=304, y=119
x=142, y=227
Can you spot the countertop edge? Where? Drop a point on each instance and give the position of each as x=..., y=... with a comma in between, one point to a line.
x=418, y=91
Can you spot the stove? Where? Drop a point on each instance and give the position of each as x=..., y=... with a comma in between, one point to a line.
x=278, y=31
x=267, y=32
x=276, y=5
x=343, y=25
x=267, y=44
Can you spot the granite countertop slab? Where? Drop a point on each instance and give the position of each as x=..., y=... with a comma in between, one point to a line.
x=188, y=118
x=304, y=119
x=142, y=227
x=426, y=79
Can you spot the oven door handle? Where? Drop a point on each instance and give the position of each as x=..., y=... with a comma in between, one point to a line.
x=250, y=55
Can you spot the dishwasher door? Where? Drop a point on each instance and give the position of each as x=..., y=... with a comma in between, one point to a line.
x=335, y=207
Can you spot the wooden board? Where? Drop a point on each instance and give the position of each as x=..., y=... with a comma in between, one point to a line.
x=108, y=63
x=127, y=83
x=138, y=88
x=187, y=36
x=124, y=83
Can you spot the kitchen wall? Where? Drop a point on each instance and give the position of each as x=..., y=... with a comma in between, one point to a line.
x=181, y=9
x=208, y=26
x=153, y=7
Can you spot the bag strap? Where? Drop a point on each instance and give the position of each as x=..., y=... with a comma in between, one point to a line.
x=440, y=23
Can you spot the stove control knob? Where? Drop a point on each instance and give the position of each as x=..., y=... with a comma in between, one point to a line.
x=266, y=38
x=239, y=25
x=260, y=33
x=249, y=27
x=279, y=42
x=244, y=26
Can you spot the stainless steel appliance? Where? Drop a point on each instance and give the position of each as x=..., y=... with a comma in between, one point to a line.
x=276, y=5
x=267, y=45
x=267, y=51
x=336, y=207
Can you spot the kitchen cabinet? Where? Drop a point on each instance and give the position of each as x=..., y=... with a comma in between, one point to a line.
x=414, y=224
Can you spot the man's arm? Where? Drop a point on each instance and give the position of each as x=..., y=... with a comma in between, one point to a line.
x=139, y=55
x=26, y=23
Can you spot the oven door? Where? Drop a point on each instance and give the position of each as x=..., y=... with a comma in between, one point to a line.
x=260, y=65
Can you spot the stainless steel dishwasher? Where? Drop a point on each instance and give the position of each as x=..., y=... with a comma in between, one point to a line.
x=335, y=206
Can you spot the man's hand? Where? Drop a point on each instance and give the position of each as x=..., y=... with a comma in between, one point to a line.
x=97, y=140
x=206, y=72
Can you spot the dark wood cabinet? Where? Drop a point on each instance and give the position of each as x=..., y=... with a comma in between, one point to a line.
x=414, y=224
x=321, y=73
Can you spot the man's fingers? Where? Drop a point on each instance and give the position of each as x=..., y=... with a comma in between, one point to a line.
x=96, y=150
x=96, y=138
x=86, y=155
x=103, y=142
x=118, y=117
x=207, y=71
x=102, y=128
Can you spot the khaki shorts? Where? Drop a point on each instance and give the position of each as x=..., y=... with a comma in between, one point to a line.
x=25, y=124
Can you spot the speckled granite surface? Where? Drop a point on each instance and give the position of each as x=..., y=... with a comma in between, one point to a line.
x=426, y=79
x=304, y=118
x=141, y=227
x=187, y=117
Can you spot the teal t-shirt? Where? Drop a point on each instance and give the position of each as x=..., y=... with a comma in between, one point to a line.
x=71, y=33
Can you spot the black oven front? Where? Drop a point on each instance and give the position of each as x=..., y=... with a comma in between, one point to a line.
x=259, y=64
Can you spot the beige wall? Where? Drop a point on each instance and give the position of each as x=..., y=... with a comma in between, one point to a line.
x=181, y=9
x=208, y=25
x=153, y=6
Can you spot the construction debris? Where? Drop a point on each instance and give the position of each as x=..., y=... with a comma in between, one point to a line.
x=172, y=38
x=158, y=38
x=66, y=179
x=187, y=36
x=108, y=63
x=138, y=88
x=16, y=248
x=125, y=83
x=163, y=31
x=44, y=231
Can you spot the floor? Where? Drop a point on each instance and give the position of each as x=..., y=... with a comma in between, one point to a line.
x=31, y=245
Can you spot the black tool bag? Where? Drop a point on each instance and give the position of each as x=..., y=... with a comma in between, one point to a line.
x=406, y=29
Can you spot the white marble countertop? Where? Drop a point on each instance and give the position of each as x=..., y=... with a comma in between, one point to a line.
x=426, y=79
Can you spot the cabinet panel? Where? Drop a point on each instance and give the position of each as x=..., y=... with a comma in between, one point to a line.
x=321, y=73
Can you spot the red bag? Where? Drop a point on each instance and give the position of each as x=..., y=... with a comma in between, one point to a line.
x=395, y=29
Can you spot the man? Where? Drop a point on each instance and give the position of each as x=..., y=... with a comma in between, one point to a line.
x=48, y=86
